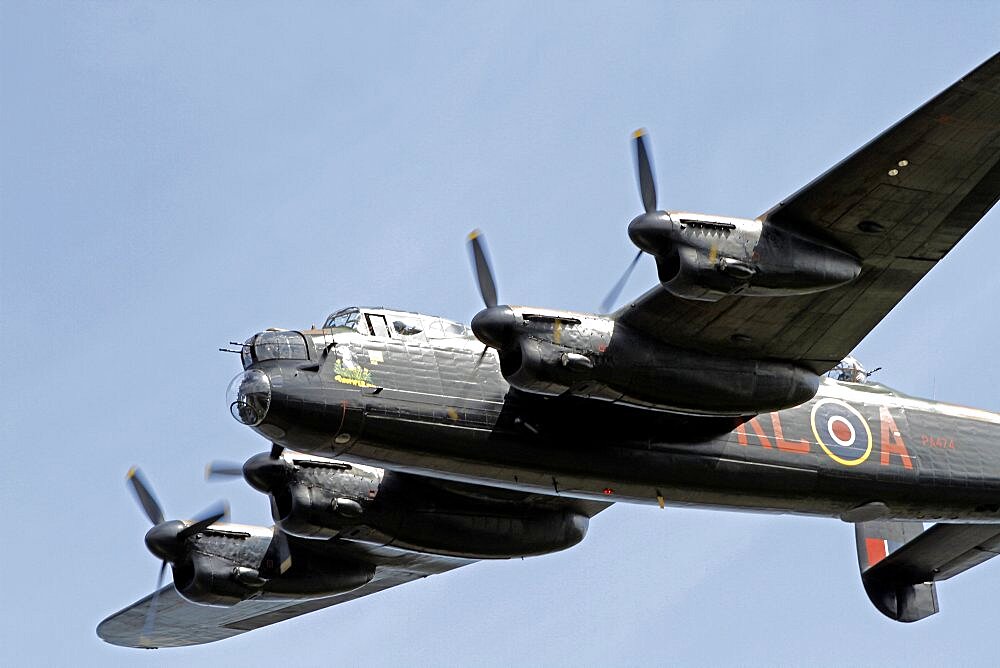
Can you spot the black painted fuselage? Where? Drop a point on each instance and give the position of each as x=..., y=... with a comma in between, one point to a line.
x=441, y=407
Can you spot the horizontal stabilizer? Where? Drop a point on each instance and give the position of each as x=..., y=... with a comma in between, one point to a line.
x=941, y=552
x=900, y=562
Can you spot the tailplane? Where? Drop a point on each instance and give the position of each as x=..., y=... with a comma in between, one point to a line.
x=891, y=590
x=900, y=562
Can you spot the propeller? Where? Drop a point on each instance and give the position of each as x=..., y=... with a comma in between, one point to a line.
x=484, y=272
x=218, y=469
x=143, y=494
x=166, y=538
x=616, y=291
x=279, y=551
x=494, y=325
x=644, y=171
x=651, y=218
x=147, y=625
x=264, y=472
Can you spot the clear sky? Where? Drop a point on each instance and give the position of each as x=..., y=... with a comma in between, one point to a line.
x=178, y=175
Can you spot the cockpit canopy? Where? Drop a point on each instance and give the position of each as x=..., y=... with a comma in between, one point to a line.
x=387, y=323
x=280, y=344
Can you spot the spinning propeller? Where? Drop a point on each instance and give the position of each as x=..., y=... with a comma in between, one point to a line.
x=268, y=473
x=484, y=272
x=651, y=216
x=166, y=539
x=494, y=325
x=264, y=472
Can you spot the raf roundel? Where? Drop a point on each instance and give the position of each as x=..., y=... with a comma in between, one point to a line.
x=841, y=431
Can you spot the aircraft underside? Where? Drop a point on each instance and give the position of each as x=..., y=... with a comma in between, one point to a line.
x=403, y=445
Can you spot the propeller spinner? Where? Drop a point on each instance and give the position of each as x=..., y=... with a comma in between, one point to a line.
x=264, y=472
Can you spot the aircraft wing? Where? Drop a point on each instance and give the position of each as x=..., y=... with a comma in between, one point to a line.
x=180, y=622
x=899, y=203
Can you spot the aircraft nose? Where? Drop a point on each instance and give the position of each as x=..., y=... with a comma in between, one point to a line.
x=249, y=397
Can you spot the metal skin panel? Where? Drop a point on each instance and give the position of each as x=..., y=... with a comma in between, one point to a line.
x=430, y=410
x=440, y=405
x=899, y=203
x=318, y=567
x=706, y=258
x=552, y=353
x=180, y=623
x=415, y=513
x=899, y=598
x=900, y=562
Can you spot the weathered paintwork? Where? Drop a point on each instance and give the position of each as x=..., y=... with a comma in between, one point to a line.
x=704, y=390
x=442, y=408
x=314, y=497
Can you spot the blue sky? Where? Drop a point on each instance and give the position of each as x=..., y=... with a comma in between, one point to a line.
x=179, y=175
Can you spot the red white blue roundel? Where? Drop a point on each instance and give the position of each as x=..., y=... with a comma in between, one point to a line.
x=841, y=431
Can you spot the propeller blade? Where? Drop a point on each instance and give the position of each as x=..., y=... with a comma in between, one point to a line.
x=276, y=451
x=144, y=495
x=612, y=297
x=484, y=274
x=482, y=356
x=205, y=519
x=644, y=170
x=147, y=626
x=282, y=553
x=218, y=470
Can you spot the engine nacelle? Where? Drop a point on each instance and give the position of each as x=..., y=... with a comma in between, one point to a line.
x=319, y=498
x=553, y=353
x=222, y=567
x=323, y=498
x=705, y=258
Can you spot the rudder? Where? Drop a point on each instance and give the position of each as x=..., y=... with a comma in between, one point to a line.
x=891, y=593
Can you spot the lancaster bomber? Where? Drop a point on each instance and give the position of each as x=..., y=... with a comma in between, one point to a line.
x=404, y=445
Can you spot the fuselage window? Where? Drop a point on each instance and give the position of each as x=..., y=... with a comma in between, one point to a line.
x=443, y=329
x=376, y=324
x=246, y=354
x=407, y=325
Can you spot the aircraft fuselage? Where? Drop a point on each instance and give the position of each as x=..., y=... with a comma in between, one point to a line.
x=442, y=408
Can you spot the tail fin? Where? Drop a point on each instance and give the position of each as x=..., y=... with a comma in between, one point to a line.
x=891, y=589
x=900, y=562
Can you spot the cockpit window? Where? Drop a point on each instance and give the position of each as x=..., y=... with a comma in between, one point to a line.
x=445, y=329
x=280, y=346
x=407, y=325
x=343, y=319
x=402, y=325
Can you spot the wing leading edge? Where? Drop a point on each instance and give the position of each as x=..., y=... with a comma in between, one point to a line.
x=899, y=203
x=180, y=622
